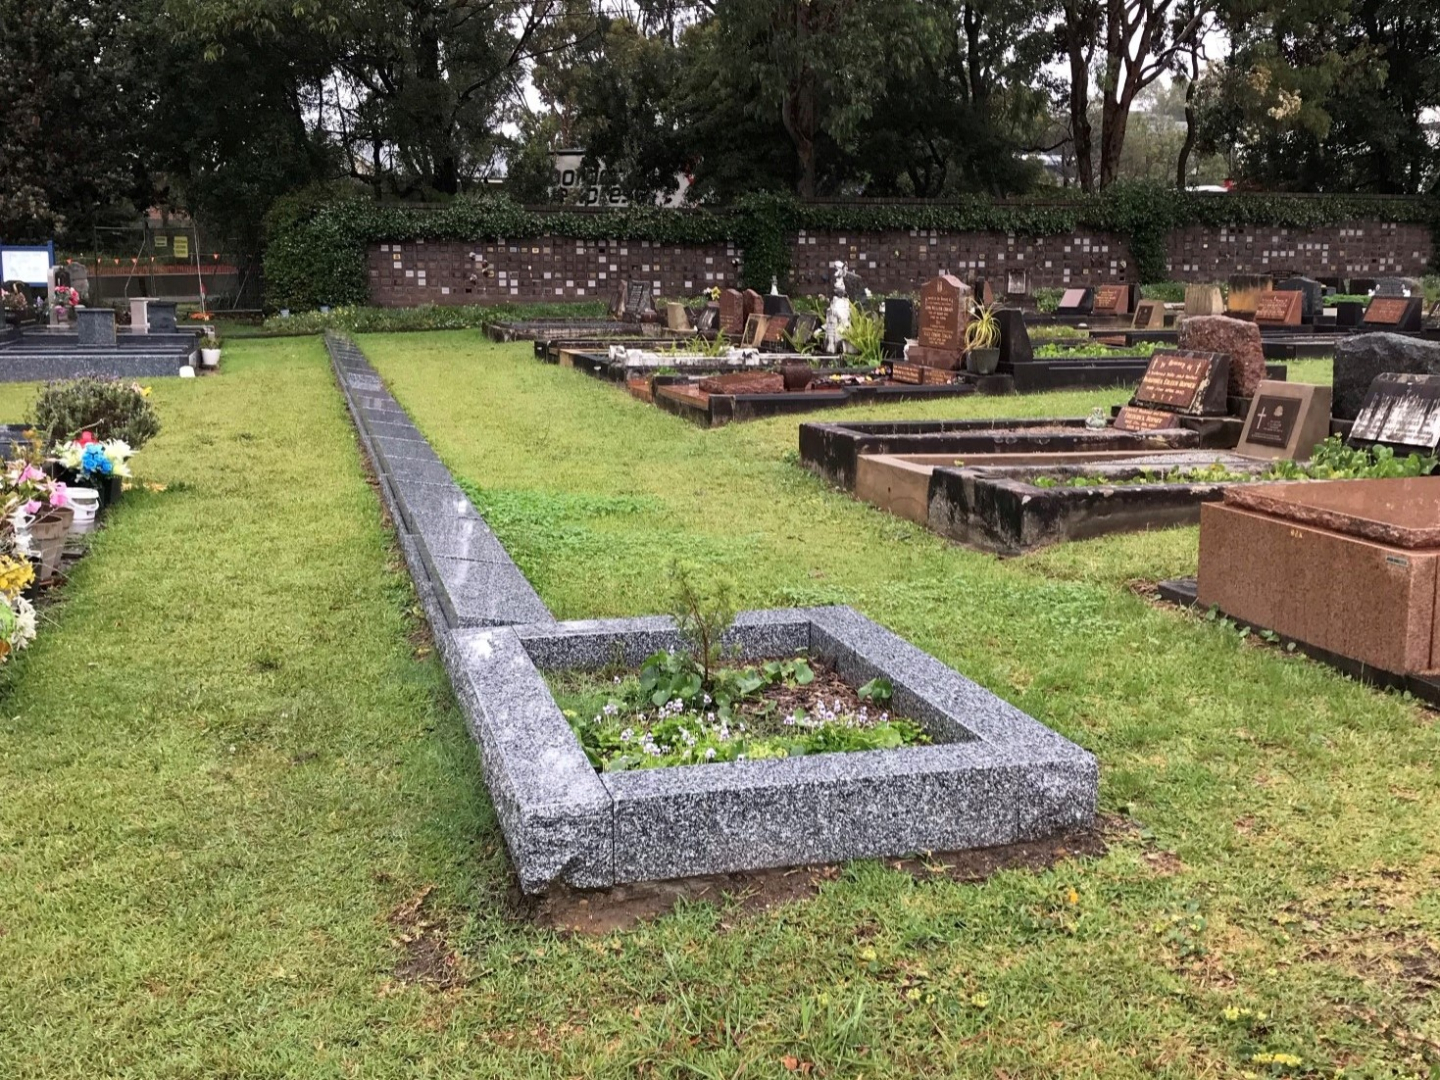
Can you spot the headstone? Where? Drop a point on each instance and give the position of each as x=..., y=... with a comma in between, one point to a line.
x=804, y=326
x=1286, y=421
x=776, y=329
x=96, y=326
x=754, y=303
x=1245, y=290
x=1313, y=294
x=1112, y=300
x=617, y=299
x=1399, y=286
x=732, y=312
x=161, y=314
x=1149, y=315
x=854, y=287
x=80, y=280
x=1360, y=286
x=676, y=317
x=778, y=304
x=983, y=291
x=1400, y=411
x=709, y=318
x=1015, y=347
x=1203, y=300
x=639, y=300
x=1279, y=308
x=1361, y=358
x=1237, y=339
x=1076, y=302
x=1398, y=313
x=1181, y=381
x=899, y=325
x=139, y=315
x=754, y=334
x=944, y=303
x=1017, y=283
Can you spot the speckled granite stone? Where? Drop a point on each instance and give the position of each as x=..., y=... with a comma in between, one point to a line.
x=994, y=775
x=556, y=815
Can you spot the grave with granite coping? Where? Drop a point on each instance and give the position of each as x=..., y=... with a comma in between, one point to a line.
x=993, y=775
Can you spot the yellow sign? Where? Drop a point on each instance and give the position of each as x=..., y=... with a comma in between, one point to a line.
x=161, y=240
x=181, y=247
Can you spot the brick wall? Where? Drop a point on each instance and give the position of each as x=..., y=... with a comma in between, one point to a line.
x=543, y=269
x=554, y=268
x=1358, y=249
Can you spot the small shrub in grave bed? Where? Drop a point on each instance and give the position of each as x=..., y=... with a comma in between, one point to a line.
x=695, y=707
x=1076, y=350
x=109, y=409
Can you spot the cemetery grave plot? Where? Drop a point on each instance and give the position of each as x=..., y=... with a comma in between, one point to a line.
x=722, y=399
x=833, y=450
x=1011, y=503
x=1345, y=571
x=95, y=347
x=970, y=769
x=988, y=774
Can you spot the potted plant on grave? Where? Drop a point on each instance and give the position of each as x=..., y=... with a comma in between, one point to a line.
x=103, y=466
x=210, y=349
x=982, y=340
x=92, y=426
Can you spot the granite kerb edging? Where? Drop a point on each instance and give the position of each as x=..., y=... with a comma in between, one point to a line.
x=993, y=776
x=463, y=574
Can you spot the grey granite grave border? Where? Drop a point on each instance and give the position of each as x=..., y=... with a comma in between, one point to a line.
x=463, y=574
x=992, y=776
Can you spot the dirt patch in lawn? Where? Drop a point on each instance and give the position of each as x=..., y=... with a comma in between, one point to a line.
x=604, y=911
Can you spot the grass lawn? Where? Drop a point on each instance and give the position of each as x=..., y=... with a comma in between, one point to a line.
x=231, y=770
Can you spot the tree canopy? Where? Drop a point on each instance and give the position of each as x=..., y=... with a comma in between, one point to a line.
x=242, y=101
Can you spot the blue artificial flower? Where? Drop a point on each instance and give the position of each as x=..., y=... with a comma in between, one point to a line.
x=95, y=462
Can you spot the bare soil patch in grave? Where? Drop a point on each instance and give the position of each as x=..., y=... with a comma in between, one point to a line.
x=624, y=907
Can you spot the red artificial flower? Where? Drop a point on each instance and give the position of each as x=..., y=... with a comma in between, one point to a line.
x=86, y=438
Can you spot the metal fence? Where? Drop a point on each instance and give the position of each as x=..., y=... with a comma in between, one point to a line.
x=165, y=260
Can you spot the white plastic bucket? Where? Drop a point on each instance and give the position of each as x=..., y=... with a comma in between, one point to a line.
x=86, y=504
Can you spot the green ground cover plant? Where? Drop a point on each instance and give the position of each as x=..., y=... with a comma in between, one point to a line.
x=1332, y=460
x=1067, y=350
x=243, y=831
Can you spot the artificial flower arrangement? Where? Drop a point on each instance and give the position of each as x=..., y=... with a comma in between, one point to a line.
x=66, y=296
x=92, y=459
x=25, y=493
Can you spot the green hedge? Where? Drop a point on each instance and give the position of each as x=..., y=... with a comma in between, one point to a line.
x=317, y=240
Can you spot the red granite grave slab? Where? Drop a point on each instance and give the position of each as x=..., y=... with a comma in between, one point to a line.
x=1374, y=603
x=1402, y=512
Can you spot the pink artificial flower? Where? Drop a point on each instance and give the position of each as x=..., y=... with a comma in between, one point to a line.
x=59, y=496
x=32, y=507
x=31, y=474
x=86, y=438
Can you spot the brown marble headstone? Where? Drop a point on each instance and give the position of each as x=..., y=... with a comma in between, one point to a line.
x=1193, y=383
x=1403, y=313
x=732, y=312
x=754, y=303
x=944, y=310
x=1112, y=300
x=1279, y=308
x=1287, y=421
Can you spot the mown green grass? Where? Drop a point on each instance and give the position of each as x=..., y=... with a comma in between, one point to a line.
x=224, y=765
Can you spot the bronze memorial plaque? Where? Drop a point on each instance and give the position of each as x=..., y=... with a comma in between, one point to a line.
x=1110, y=300
x=1139, y=418
x=1279, y=308
x=1190, y=382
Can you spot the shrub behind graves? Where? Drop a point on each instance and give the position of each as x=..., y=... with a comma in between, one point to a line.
x=108, y=408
